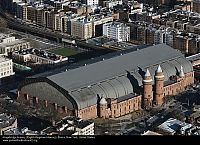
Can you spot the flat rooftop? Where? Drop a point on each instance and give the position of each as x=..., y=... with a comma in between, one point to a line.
x=193, y=57
x=4, y=59
x=67, y=122
x=40, y=53
x=13, y=43
x=172, y=125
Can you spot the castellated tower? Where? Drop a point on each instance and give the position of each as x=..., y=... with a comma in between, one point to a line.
x=103, y=107
x=147, y=90
x=159, y=84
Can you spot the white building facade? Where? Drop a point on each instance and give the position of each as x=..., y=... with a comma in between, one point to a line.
x=91, y=2
x=117, y=31
x=6, y=67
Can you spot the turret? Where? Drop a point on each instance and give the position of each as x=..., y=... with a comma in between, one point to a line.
x=147, y=90
x=181, y=73
x=159, y=84
x=103, y=107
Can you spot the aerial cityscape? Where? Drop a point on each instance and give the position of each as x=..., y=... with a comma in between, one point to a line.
x=99, y=67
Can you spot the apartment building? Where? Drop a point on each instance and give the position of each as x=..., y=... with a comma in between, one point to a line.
x=31, y=13
x=81, y=28
x=98, y=21
x=9, y=44
x=187, y=43
x=40, y=16
x=49, y=18
x=196, y=6
x=6, y=67
x=21, y=10
x=116, y=30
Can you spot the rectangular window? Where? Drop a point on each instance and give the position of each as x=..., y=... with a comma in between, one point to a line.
x=25, y=96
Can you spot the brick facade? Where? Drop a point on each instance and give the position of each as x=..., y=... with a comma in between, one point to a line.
x=88, y=113
x=152, y=94
x=35, y=101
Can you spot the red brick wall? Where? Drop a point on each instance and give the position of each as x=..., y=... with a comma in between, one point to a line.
x=125, y=107
x=180, y=85
x=88, y=113
x=35, y=101
x=159, y=93
x=148, y=95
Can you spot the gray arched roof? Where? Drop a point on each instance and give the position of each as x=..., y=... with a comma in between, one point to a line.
x=45, y=91
x=110, y=77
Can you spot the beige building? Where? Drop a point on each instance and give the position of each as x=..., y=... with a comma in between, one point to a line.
x=36, y=56
x=31, y=13
x=9, y=44
x=81, y=28
x=16, y=45
x=7, y=122
x=63, y=21
x=40, y=16
x=6, y=38
x=49, y=18
x=6, y=67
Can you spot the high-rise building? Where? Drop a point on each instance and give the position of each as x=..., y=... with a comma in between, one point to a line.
x=169, y=38
x=181, y=43
x=196, y=6
x=49, y=18
x=31, y=13
x=159, y=37
x=150, y=35
x=141, y=32
x=116, y=30
x=81, y=28
x=21, y=11
x=98, y=21
x=40, y=16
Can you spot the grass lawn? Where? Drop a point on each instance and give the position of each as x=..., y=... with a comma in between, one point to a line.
x=64, y=51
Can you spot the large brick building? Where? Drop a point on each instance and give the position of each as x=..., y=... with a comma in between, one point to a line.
x=113, y=87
